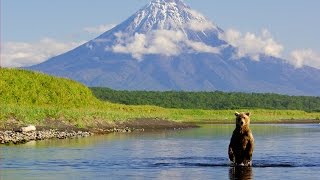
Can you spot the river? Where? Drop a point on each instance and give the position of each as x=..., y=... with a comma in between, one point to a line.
x=281, y=152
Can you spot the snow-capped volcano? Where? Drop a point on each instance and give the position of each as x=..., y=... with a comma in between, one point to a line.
x=166, y=45
x=163, y=27
x=168, y=15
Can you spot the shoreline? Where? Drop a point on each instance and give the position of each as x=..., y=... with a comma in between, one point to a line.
x=62, y=131
x=15, y=136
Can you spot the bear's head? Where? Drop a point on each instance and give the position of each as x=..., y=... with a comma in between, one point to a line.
x=242, y=119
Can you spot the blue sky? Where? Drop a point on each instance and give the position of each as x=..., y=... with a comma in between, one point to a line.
x=67, y=23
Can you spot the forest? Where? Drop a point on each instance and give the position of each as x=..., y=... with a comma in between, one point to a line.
x=209, y=100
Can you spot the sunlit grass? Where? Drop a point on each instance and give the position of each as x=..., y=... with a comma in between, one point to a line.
x=32, y=98
x=110, y=113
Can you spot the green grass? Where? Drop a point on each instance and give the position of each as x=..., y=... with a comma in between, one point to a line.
x=22, y=87
x=82, y=117
x=32, y=98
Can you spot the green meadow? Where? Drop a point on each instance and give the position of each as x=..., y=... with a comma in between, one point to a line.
x=32, y=98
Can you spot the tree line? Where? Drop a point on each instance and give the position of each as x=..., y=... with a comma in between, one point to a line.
x=209, y=100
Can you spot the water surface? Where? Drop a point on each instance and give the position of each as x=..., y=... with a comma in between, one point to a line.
x=281, y=151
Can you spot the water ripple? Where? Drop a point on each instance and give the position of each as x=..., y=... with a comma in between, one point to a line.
x=216, y=162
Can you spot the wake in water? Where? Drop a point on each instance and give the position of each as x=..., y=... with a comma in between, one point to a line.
x=217, y=162
x=186, y=164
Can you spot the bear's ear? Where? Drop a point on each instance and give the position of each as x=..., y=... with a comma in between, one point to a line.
x=248, y=114
x=237, y=114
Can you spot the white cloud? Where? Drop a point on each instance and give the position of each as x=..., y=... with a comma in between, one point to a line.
x=300, y=58
x=252, y=45
x=18, y=54
x=202, y=47
x=164, y=42
x=99, y=29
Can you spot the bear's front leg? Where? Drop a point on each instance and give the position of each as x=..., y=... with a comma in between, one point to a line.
x=249, y=150
x=230, y=153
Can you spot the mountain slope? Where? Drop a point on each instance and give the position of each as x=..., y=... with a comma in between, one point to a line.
x=168, y=46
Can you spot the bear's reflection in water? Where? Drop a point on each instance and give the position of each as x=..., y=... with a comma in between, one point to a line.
x=240, y=172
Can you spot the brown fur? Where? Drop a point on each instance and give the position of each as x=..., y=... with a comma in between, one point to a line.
x=242, y=141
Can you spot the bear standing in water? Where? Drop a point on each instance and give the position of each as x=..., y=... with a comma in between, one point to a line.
x=242, y=142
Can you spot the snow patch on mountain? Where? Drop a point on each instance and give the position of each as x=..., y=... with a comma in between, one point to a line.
x=196, y=25
x=168, y=15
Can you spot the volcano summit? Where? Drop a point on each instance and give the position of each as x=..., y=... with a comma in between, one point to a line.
x=166, y=45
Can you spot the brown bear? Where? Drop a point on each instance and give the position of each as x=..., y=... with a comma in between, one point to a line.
x=242, y=142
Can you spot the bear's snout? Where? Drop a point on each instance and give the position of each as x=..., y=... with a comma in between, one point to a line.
x=242, y=123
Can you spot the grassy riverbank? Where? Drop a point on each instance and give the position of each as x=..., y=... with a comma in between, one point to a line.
x=34, y=98
x=108, y=114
